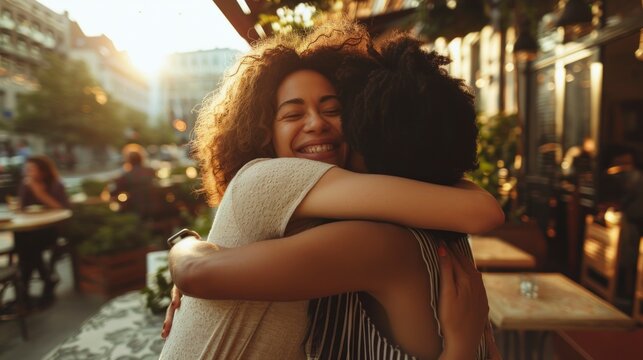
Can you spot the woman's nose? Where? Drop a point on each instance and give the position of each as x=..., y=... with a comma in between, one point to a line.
x=316, y=122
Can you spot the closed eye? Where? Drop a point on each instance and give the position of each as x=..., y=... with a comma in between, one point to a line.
x=291, y=116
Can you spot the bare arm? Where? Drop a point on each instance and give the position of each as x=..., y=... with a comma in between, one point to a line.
x=341, y=194
x=40, y=192
x=321, y=262
x=329, y=259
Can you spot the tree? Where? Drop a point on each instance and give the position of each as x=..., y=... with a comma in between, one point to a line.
x=144, y=133
x=69, y=107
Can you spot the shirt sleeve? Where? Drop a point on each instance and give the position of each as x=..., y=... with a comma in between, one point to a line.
x=265, y=193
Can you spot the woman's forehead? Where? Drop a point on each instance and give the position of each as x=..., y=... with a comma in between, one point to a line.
x=304, y=84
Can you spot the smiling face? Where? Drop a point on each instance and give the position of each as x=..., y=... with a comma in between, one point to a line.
x=308, y=121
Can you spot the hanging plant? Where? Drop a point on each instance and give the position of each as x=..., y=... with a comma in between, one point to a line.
x=498, y=143
x=451, y=18
x=285, y=16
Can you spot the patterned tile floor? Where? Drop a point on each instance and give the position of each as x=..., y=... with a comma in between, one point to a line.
x=49, y=327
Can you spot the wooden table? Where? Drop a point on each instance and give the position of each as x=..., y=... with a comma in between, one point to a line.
x=24, y=221
x=494, y=253
x=561, y=305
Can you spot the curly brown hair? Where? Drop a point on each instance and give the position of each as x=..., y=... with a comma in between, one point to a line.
x=46, y=167
x=406, y=115
x=234, y=124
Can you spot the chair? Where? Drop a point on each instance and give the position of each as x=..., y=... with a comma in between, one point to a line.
x=638, y=290
x=599, y=271
x=10, y=276
x=58, y=250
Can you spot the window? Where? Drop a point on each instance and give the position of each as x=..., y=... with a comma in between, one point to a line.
x=5, y=39
x=577, y=103
x=22, y=46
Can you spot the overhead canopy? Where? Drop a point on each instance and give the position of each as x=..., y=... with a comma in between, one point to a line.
x=244, y=15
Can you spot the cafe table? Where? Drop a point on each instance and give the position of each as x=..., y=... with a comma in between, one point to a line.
x=28, y=221
x=492, y=253
x=33, y=220
x=560, y=304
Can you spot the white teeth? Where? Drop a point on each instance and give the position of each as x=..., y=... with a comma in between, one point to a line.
x=317, y=148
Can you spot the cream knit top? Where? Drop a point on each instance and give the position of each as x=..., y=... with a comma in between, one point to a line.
x=257, y=205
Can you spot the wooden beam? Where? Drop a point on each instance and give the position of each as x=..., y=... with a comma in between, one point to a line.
x=243, y=23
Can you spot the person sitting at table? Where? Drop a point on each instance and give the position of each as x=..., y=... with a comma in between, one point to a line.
x=40, y=188
x=137, y=183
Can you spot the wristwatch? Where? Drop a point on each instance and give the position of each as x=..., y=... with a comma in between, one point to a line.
x=182, y=234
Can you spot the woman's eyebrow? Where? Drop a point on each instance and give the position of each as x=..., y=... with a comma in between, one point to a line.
x=328, y=98
x=296, y=101
x=300, y=101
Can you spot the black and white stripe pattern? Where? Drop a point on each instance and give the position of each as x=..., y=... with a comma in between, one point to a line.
x=341, y=329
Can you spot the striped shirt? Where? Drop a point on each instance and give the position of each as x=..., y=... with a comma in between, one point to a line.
x=340, y=328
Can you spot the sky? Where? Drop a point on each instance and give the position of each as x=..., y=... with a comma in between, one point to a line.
x=151, y=29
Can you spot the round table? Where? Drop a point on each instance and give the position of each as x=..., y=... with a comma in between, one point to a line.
x=27, y=221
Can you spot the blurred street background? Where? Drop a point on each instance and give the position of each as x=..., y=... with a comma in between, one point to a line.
x=559, y=96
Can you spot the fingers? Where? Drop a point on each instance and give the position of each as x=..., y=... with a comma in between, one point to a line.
x=171, y=309
x=167, y=323
x=447, y=278
x=176, y=297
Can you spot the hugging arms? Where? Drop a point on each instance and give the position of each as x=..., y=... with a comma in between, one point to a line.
x=409, y=119
x=345, y=256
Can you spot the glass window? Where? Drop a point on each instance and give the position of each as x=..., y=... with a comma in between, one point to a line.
x=5, y=39
x=543, y=141
x=576, y=125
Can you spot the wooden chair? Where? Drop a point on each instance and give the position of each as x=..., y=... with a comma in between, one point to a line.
x=599, y=271
x=10, y=276
x=638, y=290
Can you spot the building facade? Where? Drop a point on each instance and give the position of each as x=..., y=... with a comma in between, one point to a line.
x=111, y=68
x=28, y=30
x=187, y=78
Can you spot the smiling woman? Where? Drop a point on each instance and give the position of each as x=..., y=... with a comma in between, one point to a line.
x=308, y=123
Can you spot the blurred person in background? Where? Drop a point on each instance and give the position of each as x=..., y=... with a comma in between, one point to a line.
x=23, y=149
x=40, y=188
x=134, y=189
x=627, y=180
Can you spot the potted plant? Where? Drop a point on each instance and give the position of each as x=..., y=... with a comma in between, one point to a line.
x=498, y=171
x=110, y=249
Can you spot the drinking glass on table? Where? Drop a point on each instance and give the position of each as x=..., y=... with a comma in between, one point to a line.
x=13, y=203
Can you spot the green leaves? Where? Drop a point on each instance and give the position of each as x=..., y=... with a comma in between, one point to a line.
x=97, y=230
x=159, y=295
x=498, y=143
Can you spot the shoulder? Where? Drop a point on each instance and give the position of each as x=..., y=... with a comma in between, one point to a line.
x=387, y=241
x=279, y=171
x=282, y=164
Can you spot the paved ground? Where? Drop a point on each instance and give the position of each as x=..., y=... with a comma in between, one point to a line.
x=52, y=326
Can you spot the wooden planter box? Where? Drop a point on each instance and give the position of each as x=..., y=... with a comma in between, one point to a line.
x=112, y=275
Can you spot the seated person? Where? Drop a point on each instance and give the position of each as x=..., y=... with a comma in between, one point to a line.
x=137, y=183
x=41, y=187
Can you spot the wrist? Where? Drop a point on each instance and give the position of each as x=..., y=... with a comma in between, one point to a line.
x=181, y=235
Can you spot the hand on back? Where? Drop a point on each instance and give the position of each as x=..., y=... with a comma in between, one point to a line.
x=463, y=308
